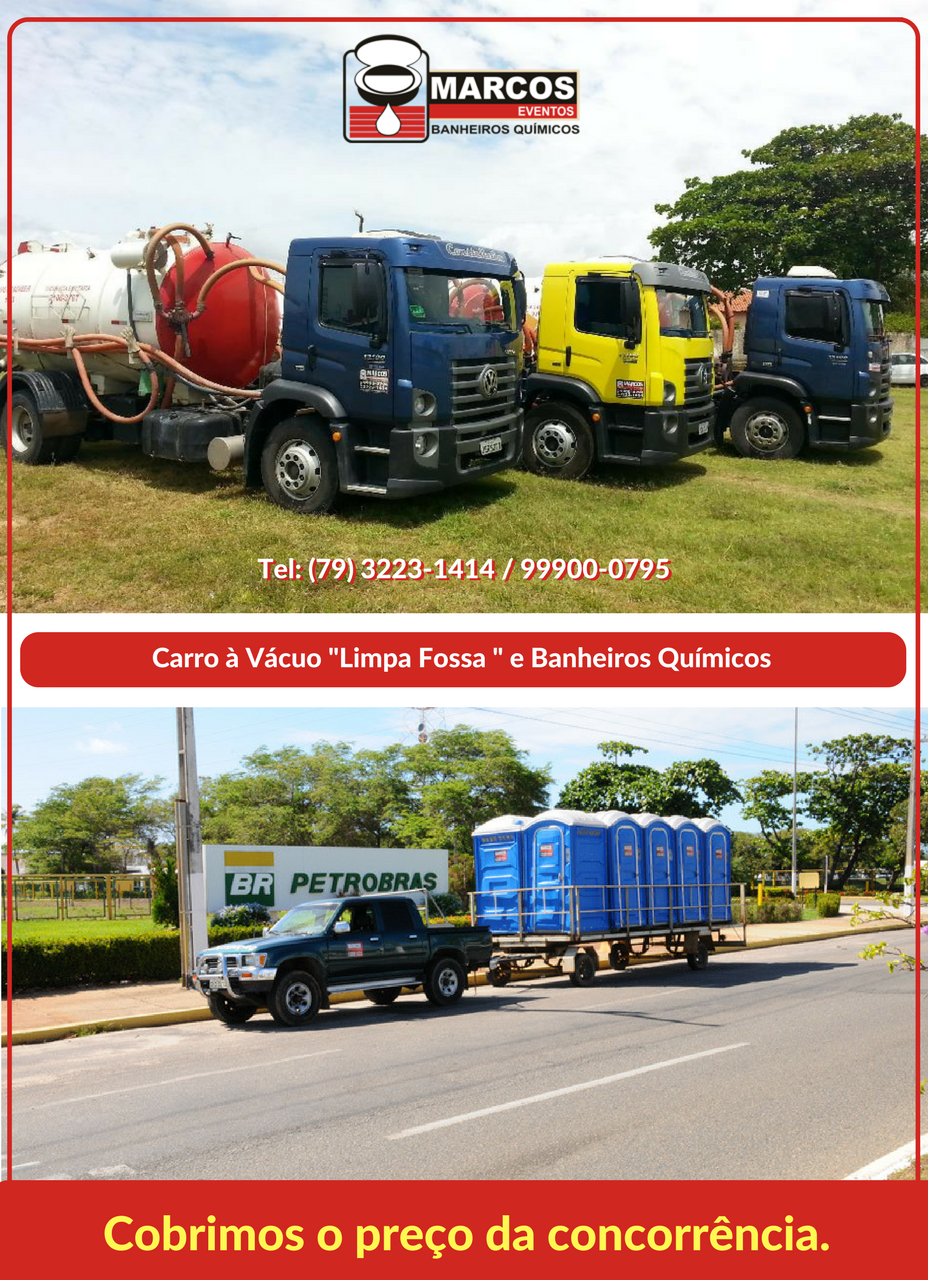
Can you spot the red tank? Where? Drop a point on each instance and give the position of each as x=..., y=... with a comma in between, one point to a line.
x=238, y=331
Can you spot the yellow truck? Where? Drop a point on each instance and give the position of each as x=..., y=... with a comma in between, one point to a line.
x=624, y=368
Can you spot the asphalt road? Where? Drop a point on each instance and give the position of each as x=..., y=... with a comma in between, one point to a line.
x=792, y=1062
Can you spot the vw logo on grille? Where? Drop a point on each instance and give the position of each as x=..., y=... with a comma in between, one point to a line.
x=488, y=382
x=705, y=377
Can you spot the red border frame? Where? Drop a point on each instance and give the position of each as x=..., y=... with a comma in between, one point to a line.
x=447, y=21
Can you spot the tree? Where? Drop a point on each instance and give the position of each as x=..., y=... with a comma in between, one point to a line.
x=842, y=196
x=165, y=905
x=865, y=776
x=763, y=795
x=96, y=825
x=691, y=788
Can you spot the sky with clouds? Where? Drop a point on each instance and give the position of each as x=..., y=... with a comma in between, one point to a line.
x=65, y=745
x=119, y=124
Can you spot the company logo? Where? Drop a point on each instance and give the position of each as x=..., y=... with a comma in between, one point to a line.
x=705, y=377
x=385, y=93
x=489, y=383
x=250, y=886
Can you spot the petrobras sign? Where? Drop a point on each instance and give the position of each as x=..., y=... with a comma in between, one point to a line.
x=280, y=876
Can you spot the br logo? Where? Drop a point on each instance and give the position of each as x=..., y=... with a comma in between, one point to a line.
x=386, y=91
x=250, y=886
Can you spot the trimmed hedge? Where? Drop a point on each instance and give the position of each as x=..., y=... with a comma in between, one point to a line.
x=154, y=957
x=828, y=904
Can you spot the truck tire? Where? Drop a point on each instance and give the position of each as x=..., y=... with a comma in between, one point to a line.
x=28, y=440
x=699, y=959
x=229, y=1011
x=296, y=999
x=299, y=468
x=585, y=969
x=557, y=441
x=767, y=427
x=445, y=982
x=383, y=995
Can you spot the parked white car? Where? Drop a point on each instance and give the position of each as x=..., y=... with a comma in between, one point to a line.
x=907, y=368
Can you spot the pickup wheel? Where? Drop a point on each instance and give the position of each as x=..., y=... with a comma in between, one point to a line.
x=557, y=441
x=296, y=999
x=299, y=468
x=585, y=968
x=383, y=995
x=229, y=1011
x=766, y=427
x=445, y=982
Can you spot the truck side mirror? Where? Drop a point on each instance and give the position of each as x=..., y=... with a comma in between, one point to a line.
x=634, y=332
x=518, y=289
x=367, y=299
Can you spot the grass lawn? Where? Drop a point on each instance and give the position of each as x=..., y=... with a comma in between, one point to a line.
x=118, y=532
x=65, y=930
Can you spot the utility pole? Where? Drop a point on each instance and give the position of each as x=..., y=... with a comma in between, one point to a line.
x=912, y=841
x=794, y=881
x=191, y=878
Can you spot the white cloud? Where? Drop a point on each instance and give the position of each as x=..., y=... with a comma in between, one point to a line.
x=100, y=747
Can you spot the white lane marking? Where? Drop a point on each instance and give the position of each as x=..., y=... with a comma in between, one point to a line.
x=29, y=1164
x=198, y=1075
x=560, y=1093
x=886, y=1165
x=650, y=995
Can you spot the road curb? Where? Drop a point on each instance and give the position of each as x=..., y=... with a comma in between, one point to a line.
x=886, y=1166
x=165, y=1018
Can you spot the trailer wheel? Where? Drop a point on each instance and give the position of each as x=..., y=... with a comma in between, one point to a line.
x=298, y=467
x=618, y=959
x=296, y=999
x=557, y=441
x=585, y=968
x=383, y=995
x=501, y=974
x=28, y=441
x=699, y=959
x=445, y=982
x=766, y=427
x=229, y=1011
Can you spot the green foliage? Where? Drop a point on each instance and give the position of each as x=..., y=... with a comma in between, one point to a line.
x=904, y=322
x=449, y=904
x=691, y=788
x=165, y=909
x=842, y=196
x=779, y=892
x=93, y=825
x=892, y=906
x=828, y=904
x=241, y=914
x=773, y=910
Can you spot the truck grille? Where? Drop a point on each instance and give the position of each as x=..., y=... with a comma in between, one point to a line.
x=471, y=380
x=697, y=380
x=882, y=381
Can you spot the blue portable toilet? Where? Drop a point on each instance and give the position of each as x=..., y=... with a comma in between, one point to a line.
x=660, y=841
x=499, y=870
x=716, y=869
x=690, y=904
x=627, y=870
x=566, y=873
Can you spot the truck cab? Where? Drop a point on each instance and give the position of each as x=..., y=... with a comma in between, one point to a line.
x=624, y=367
x=400, y=370
x=817, y=368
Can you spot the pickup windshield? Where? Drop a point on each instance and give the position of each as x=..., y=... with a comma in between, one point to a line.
x=311, y=919
x=682, y=315
x=474, y=303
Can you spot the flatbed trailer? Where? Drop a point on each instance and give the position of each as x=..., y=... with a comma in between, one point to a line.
x=574, y=951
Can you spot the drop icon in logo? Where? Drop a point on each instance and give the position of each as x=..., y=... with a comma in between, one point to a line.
x=386, y=91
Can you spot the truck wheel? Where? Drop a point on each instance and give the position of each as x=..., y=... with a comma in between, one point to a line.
x=585, y=968
x=296, y=999
x=28, y=440
x=557, y=442
x=445, y=982
x=383, y=995
x=699, y=959
x=299, y=468
x=229, y=1011
x=766, y=427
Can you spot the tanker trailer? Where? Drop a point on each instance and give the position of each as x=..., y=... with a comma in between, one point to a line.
x=365, y=381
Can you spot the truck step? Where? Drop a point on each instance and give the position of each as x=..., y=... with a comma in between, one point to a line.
x=378, y=489
x=370, y=448
x=377, y=985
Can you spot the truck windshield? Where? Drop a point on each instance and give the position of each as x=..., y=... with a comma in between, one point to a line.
x=873, y=319
x=477, y=303
x=312, y=918
x=682, y=315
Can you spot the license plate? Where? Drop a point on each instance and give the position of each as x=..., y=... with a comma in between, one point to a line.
x=216, y=984
x=493, y=445
x=703, y=429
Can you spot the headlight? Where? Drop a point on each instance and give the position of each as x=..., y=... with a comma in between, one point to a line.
x=670, y=393
x=424, y=443
x=423, y=404
x=254, y=959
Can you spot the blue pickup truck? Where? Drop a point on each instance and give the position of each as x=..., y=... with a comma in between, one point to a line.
x=379, y=945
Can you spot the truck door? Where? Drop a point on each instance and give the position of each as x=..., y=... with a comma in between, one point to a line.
x=350, y=350
x=549, y=898
x=405, y=941
x=815, y=342
x=356, y=955
x=606, y=313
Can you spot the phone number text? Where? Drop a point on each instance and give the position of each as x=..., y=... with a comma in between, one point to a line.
x=318, y=569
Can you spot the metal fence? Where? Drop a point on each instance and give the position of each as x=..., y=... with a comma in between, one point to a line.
x=78, y=897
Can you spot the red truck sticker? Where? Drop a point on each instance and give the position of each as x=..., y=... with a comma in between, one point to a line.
x=627, y=389
x=356, y=948
x=546, y=851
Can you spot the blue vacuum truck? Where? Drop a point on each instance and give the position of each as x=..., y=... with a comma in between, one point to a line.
x=817, y=366
x=389, y=363
x=557, y=887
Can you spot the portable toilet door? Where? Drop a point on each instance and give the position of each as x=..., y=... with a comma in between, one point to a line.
x=690, y=904
x=716, y=869
x=659, y=845
x=546, y=873
x=626, y=868
x=566, y=856
x=499, y=865
x=588, y=874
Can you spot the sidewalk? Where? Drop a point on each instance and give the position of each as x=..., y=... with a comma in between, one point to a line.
x=54, y=1015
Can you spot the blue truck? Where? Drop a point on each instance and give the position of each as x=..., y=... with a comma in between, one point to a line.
x=817, y=370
